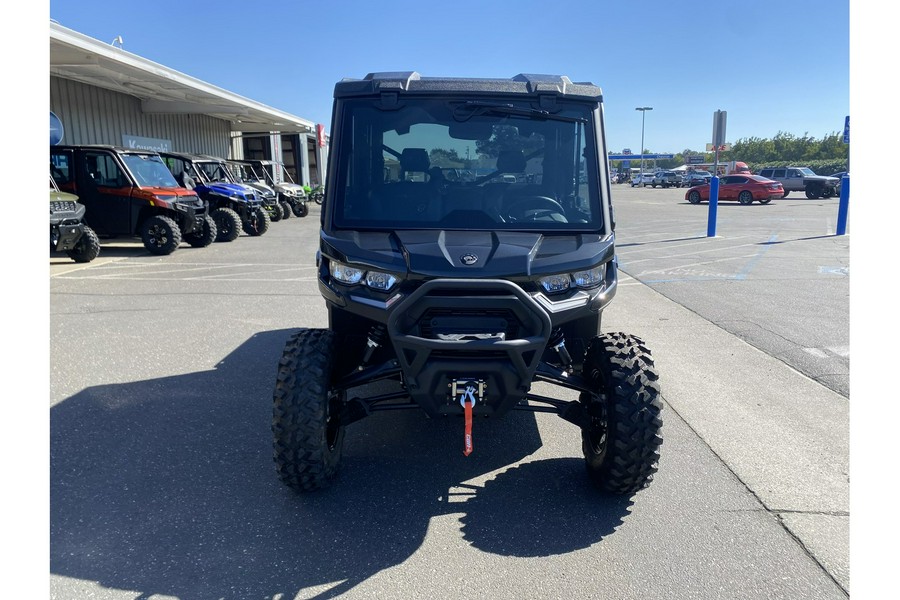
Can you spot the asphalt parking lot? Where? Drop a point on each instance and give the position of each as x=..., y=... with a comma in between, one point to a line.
x=775, y=275
x=162, y=482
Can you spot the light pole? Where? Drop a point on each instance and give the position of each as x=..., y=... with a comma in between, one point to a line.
x=643, y=110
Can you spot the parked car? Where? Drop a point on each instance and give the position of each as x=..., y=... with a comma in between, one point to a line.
x=667, y=179
x=840, y=177
x=68, y=232
x=802, y=179
x=743, y=188
x=693, y=178
x=128, y=192
x=642, y=179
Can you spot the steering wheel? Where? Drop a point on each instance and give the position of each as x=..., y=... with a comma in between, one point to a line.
x=541, y=204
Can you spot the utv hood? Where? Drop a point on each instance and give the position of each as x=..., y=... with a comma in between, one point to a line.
x=229, y=190
x=470, y=254
x=178, y=192
x=283, y=186
x=262, y=188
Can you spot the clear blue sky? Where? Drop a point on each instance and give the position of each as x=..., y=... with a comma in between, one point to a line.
x=773, y=65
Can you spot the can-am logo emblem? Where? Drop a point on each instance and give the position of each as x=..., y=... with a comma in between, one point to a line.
x=468, y=259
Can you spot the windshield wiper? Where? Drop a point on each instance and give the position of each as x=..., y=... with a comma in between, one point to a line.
x=480, y=107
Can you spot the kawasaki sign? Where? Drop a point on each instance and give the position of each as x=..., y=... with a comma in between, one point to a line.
x=136, y=142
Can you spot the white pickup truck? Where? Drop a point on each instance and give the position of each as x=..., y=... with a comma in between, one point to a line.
x=802, y=179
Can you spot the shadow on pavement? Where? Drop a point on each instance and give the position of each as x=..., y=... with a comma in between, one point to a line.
x=167, y=486
x=802, y=239
x=683, y=239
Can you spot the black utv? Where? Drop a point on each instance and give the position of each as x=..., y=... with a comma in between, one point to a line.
x=131, y=193
x=467, y=251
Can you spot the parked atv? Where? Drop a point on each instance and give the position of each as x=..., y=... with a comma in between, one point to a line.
x=233, y=206
x=130, y=192
x=455, y=295
x=243, y=172
x=216, y=169
x=68, y=232
x=277, y=177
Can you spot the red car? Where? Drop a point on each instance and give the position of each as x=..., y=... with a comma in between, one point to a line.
x=743, y=188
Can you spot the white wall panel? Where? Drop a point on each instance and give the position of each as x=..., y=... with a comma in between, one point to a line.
x=93, y=115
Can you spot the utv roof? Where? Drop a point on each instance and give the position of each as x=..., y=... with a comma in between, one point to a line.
x=120, y=149
x=520, y=85
x=254, y=161
x=191, y=157
x=184, y=155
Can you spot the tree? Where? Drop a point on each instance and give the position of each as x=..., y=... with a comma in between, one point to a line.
x=786, y=147
x=507, y=137
x=445, y=158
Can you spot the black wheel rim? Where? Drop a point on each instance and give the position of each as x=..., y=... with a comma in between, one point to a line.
x=596, y=435
x=332, y=422
x=597, y=432
x=158, y=236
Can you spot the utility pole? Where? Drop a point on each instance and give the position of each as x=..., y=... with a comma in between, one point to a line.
x=643, y=110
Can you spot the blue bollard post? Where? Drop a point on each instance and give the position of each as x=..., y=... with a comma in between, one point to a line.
x=843, y=206
x=713, y=206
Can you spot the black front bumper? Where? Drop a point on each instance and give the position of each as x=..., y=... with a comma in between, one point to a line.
x=191, y=217
x=474, y=330
x=65, y=235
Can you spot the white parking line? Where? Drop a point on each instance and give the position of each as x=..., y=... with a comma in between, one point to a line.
x=842, y=351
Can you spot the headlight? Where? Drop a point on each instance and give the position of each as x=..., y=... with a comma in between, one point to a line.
x=380, y=281
x=554, y=284
x=590, y=278
x=375, y=280
x=345, y=274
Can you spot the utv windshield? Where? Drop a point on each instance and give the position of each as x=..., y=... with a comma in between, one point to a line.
x=215, y=171
x=149, y=170
x=452, y=164
x=243, y=173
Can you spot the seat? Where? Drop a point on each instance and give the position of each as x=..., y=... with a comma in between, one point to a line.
x=186, y=180
x=414, y=197
x=509, y=162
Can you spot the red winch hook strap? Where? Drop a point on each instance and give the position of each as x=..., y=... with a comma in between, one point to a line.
x=468, y=401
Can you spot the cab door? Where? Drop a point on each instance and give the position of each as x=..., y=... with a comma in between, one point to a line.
x=794, y=179
x=107, y=193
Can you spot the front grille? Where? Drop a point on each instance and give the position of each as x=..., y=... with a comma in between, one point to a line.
x=191, y=201
x=62, y=206
x=440, y=320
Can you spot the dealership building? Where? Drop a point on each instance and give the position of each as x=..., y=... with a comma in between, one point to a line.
x=101, y=94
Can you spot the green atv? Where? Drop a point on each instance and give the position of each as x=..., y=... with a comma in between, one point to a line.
x=68, y=232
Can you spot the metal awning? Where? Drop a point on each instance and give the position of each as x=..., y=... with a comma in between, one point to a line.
x=160, y=89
